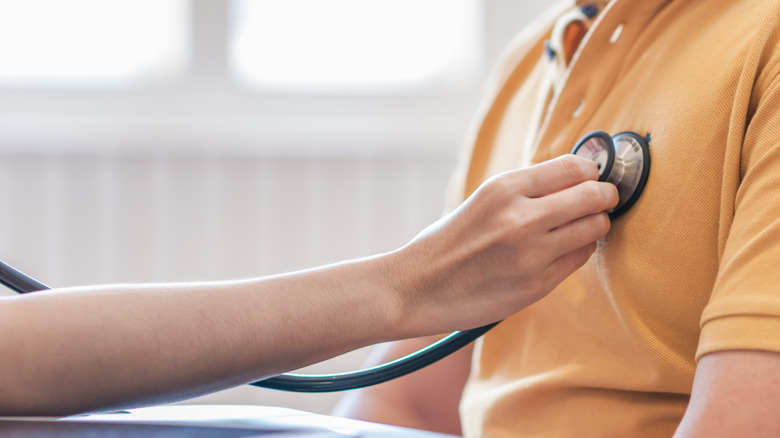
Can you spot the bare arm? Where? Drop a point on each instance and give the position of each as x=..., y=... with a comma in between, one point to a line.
x=735, y=393
x=426, y=399
x=99, y=348
x=110, y=347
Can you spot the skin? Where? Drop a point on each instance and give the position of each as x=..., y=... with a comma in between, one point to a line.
x=426, y=399
x=110, y=347
x=735, y=393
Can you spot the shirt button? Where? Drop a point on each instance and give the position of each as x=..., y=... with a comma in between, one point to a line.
x=578, y=109
x=616, y=34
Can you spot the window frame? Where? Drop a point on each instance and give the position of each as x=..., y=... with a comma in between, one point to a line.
x=208, y=112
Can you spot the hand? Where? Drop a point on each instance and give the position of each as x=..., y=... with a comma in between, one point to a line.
x=508, y=245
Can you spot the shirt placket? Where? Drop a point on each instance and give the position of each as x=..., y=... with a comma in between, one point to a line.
x=593, y=71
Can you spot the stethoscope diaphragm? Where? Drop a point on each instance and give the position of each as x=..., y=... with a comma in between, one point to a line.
x=623, y=160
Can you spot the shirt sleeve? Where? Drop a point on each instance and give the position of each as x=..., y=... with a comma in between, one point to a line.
x=744, y=308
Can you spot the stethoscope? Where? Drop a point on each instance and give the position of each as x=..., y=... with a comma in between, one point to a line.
x=623, y=160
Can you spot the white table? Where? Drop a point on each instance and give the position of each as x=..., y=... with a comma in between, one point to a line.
x=212, y=421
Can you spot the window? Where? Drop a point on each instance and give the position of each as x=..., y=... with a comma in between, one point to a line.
x=91, y=43
x=355, y=45
x=274, y=77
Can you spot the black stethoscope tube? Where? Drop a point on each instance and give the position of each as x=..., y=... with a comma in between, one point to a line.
x=22, y=283
x=18, y=281
x=378, y=374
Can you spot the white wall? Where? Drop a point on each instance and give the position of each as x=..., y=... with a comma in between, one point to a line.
x=98, y=189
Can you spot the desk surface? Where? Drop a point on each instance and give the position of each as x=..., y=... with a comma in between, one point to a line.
x=206, y=421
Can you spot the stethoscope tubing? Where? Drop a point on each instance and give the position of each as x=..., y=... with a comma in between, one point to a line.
x=18, y=281
x=378, y=374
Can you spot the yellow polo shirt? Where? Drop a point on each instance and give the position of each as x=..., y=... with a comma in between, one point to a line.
x=692, y=268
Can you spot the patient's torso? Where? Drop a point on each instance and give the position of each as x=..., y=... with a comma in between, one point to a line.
x=612, y=351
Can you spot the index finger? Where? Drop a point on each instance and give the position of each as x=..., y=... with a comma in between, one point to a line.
x=555, y=175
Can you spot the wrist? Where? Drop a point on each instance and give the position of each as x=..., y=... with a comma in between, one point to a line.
x=404, y=285
x=374, y=295
x=390, y=296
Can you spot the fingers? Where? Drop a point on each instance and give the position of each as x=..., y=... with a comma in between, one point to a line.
x=555, y=175
x=566, y=264
x=577, y=234
x=582, y=200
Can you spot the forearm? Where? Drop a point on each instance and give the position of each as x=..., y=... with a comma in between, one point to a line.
x=112, y=347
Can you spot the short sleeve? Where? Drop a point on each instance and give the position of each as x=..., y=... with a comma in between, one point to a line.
x=744, y=308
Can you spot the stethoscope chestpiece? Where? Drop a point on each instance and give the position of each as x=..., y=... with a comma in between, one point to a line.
x=623, y=160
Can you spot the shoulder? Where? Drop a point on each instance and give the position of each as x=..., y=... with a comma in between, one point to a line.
x=757, y=24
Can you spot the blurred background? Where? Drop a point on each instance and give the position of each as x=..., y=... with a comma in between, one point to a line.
x=179, y=140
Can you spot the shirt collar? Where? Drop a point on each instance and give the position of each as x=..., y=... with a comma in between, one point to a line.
x=643, y=2
x=642, y=6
